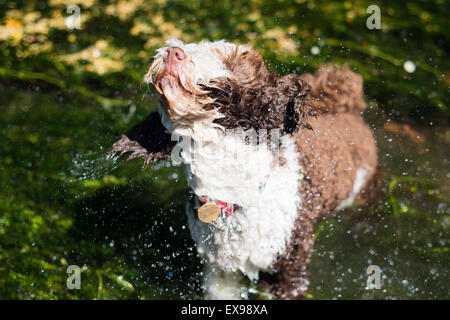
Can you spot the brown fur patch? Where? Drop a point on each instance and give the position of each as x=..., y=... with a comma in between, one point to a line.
x=255, y=97
x=248, y=68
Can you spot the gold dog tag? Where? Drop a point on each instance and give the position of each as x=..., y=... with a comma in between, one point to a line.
x=208, y=212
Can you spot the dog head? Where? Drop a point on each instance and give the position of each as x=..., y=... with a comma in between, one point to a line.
x=228, y=84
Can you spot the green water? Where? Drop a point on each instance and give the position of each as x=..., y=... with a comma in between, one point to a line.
x=63, y=202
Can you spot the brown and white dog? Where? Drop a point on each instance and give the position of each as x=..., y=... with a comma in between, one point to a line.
x=226, y=112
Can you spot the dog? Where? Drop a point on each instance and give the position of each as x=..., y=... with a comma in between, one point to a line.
x=255, y=197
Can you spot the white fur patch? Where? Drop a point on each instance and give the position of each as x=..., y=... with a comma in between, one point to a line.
x=268, y=196
x=360, y=181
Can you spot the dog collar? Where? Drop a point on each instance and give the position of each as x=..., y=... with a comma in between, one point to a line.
x=214, y=211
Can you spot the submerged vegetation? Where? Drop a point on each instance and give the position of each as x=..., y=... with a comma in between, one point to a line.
x=68, y=94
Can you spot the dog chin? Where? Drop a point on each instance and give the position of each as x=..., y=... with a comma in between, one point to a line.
x=169, y=81
x=171, y=89
x=179, y=103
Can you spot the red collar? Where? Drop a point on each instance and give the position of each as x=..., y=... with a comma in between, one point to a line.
x=226, y=209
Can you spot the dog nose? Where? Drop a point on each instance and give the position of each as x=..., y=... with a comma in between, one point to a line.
x=175, y=54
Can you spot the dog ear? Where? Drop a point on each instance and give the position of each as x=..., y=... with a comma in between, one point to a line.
x=268, y=101
x=254, y=97
x=147, y=139
x=247, y=67
x=280, y=103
